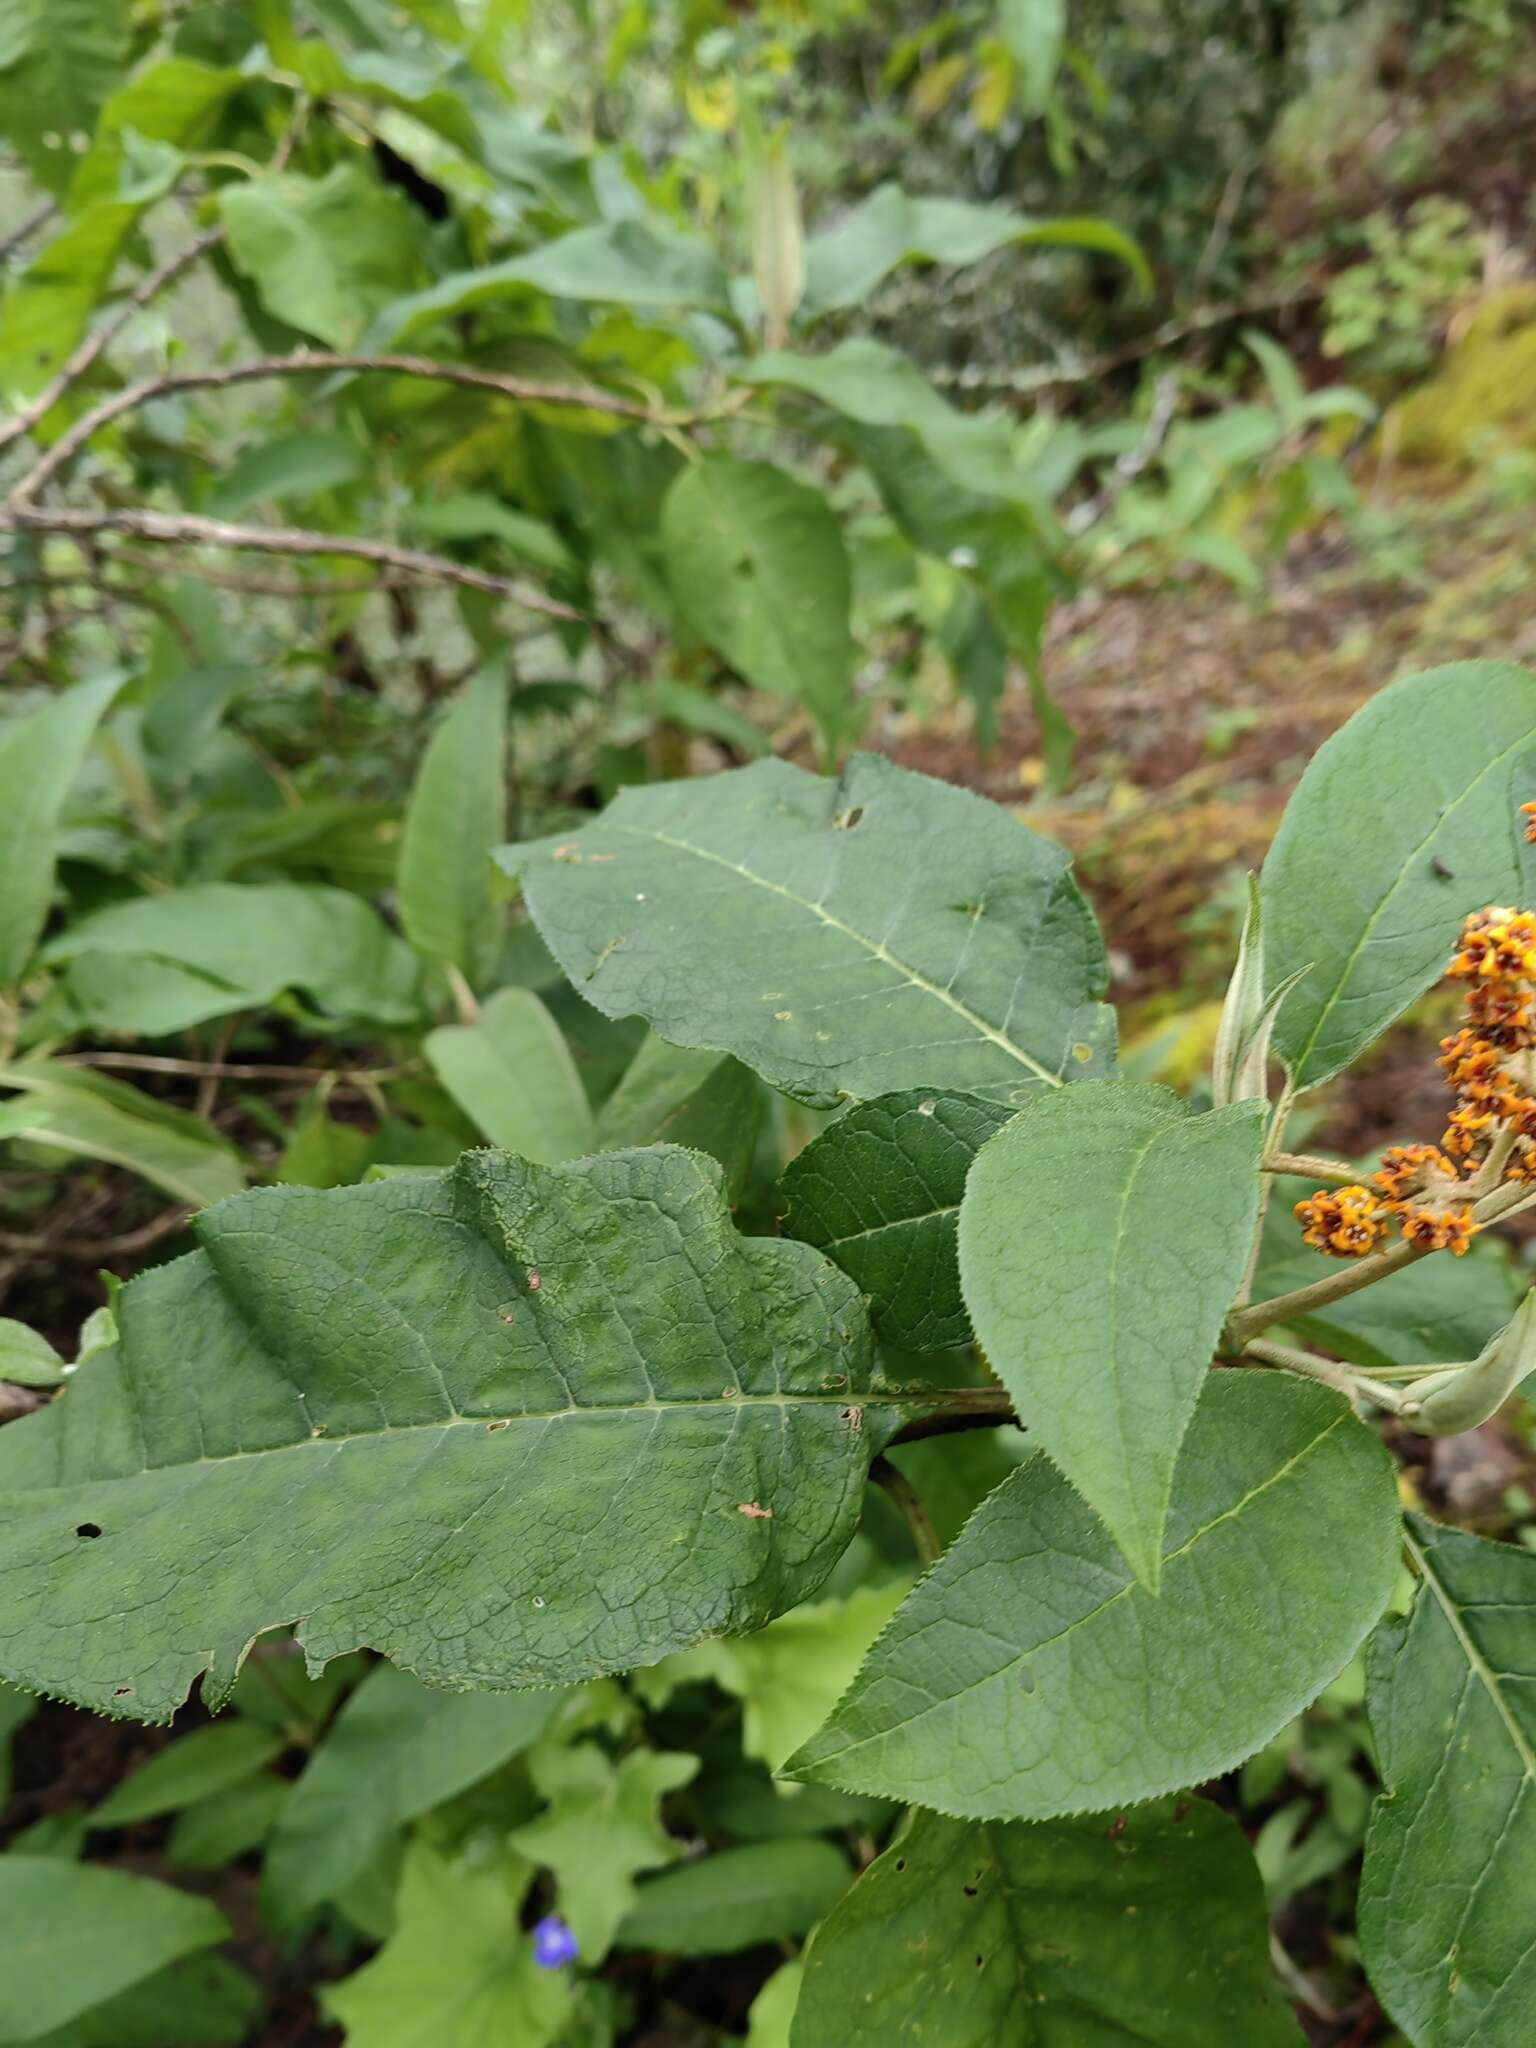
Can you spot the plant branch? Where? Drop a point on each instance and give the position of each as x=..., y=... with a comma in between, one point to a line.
x=909, y=1503
x=1310, y=1166
x=223, y=1070
x=308, y=363
x=92, y=1249
x=27, y=229
x=190, y=530
x=963, y=1408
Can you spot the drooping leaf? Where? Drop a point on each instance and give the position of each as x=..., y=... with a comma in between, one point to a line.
x=459, y=1967
x=1401, y=825
x=757, y=563
x=1281, y=1551
x=456, y=817
x=509, y=1425
x=157, y=964
x=512, y=1074
x=738, y=1898
x=395, y=1749
x=1103, y=1237
x=1448, y=1895
x=26, y=1357
x=676, y=1095
x=844, y=939
x=1034, y=31
x=879, y=1192
x=39, y=758
x=844, y=265
x=207, y=1761
x=601, y=1828
x=77, y=1934
x=1142, y=1931
x=98, y=1117
x=325, y=254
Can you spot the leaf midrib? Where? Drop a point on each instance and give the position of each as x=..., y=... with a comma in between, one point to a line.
x=873, y=947
x=1482, y=1670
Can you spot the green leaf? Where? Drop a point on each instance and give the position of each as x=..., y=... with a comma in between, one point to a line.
x=475, y=515
x=773, y=2010
x=1033, y=31
x=227, y=1826
x=1103, y=1237
x=1281, y=1553
x=844, y=939
x=75, y=1110
x=890, y=228
x=155, y=965
x=325, y=254
x=293, y=466
x=194, y=1767
x=456, y=816
x=602, y=1827
x=629, y=263
x=27, y=1359
x=879, y=1192
x=458, y=1968
x=16, y=1709
x=1401, y=825
x=738, y=1898
x=395, y=1750
x=77, y=1934
x=1148, y=1932
x=513, y=1076
x=59, y=59
x=673, y=1095
x=509, y=1425
x=200, y=2002
x=757, y=564
x=40, y=757
x=1449, y=1888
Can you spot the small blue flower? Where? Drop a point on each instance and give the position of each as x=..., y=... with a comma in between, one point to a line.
x=554, y=1945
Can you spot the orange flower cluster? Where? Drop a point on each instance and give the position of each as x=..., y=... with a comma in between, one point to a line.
x=1491, y=1065
x=1529, y=813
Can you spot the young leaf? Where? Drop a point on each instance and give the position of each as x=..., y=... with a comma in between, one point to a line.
x=510, y=1425
x=1448, y=1895
x=879, y=1192
x=196, y=1766
x=27, y=1359
x=601, y=1828
x=102, y=1118
x=154, y=965
x=513, y=1076
x=845, y=939
x=395, y=1749
x=1103, y=1237
x=86, y=1934
x=757, y=563
x=459, y=1968
x=39, y=758
x=1149, y=1931
x=738, y=1898
x=1281, y=1552
x=1402, y=823
x=457, y=815
x=1034, y=31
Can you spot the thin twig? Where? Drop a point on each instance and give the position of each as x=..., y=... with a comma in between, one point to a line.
x=308, y=363
x=963, y=1408
x=90, y=1249
x=267, y=586
x=27, y=229
x=223, y=1070
x=909, y=1503
x=1310, y=1166
x=190, y=530
x=1129, y=466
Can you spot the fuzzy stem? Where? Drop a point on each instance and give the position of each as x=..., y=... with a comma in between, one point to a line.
x=1310, y=1166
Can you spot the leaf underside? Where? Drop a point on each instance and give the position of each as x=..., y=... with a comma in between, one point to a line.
x=509, y=1425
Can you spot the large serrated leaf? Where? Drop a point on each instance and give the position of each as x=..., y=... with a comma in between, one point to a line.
x=1448, y=1895
x=509, y=1425
x=1148, y=1932
x=1103, y=1237
x=1029, y=1675
x=1402, y=824
x=880, y=1192
x=844, y=939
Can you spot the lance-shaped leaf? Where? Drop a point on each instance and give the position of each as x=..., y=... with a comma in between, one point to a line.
x=1148, y=1932
x=457, y=814
x=1403, y=823
x=1029, y=1675
x=1102, y=1239
x=510, y=1425
x=1448, y=1896
x=880, y=1193
x=843, y=938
